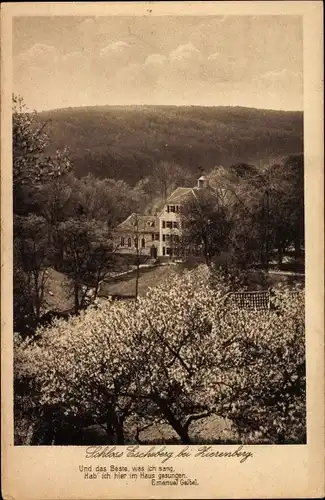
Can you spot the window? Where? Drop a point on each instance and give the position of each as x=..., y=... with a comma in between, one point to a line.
x=164, y=237
x=163, y=224
x=153, y=236
x=157, y=236
x=129, y=242
x=164, y=250
x=175, y=225
x=122, y=242
x=136, y=242
x=167, y=208
x=169, y=224
x=172, y=209
x=177, y=208
x=168, y=251
x=143, y=243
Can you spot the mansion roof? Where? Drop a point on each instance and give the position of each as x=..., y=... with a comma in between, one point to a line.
x=150, y=223
x=139, y=223
x=179, y=194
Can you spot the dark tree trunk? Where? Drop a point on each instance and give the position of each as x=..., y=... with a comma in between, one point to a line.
x=176, y=424
x=297, y=248
x=206, y=251
x=37, y=301
x=109, y=430
x=137, y=275
x=280, y=253
x=45, y=432
x=76, y=298
x=58, y=260
x=114, y=427
x=119, y=427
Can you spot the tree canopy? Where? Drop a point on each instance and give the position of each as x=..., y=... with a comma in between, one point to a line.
x=183, y=352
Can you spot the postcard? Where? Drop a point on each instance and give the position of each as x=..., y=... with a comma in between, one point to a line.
x=162, y=255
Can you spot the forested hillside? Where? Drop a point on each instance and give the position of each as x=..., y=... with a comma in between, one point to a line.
x=125, y=142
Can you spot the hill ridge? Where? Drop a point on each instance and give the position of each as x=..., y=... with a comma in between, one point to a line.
x=126, y=141
x=187, y=106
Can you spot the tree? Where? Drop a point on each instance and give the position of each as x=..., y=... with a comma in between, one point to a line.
x=266, y=384
x=265, y=207
x=205, y=226
x=240, y=192
x=109, y=200
x=203, y=355
x=167, y=176
x=33, y=171
x=182, y=353
x=88, y=250
x=171, y=343
x=286, y=202
x=246, y=171
x=31, y=164
x=138, y=227
x=90, y=376
x=57, y=202
x=32, y=257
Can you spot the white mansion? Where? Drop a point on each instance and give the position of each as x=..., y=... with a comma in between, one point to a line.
x=156, y=235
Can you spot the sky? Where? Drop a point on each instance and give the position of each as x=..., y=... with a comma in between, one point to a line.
x=254, y=61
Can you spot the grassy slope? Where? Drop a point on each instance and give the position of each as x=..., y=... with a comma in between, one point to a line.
x=125, y=141
x=60, y=298
x=125, y=285
x=57, y=292
x=149, y=277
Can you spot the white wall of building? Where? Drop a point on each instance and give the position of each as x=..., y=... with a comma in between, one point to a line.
x=169, y=228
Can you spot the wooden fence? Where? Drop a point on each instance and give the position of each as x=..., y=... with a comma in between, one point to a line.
x=256, y=300
x=252, y=300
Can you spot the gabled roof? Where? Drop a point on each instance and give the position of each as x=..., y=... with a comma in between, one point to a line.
x=140, y=223
x=179, y=194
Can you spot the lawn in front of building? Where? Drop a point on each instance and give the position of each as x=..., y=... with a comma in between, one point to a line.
x=124, y=286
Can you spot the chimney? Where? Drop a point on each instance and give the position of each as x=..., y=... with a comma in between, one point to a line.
x=203, y=182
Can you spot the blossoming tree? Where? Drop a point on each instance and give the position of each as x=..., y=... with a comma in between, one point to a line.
x=180, y=354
